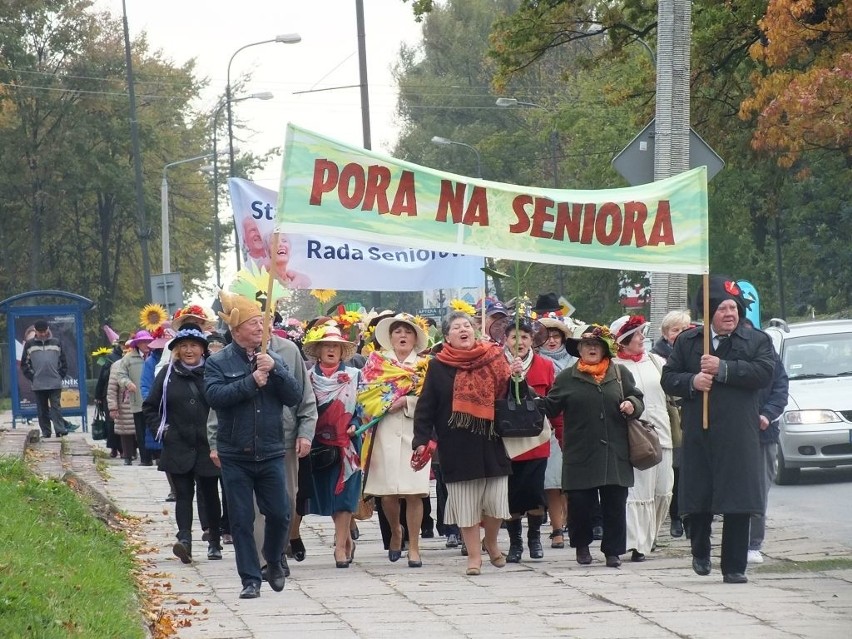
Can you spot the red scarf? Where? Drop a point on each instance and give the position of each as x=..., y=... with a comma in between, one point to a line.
x=482, y=374
x=633, y=357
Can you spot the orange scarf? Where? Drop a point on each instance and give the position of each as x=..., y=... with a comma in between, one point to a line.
x=595, y=370
x=482, y=374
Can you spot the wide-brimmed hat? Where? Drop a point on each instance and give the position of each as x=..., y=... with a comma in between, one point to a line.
x=138, y=337
x=326, y=334
x=547, y=303
x=599, y=332
x=559, y=325
x=499, y=329
x=383, y=330
x=161, y=336
x=194, y=314
x=624, y=327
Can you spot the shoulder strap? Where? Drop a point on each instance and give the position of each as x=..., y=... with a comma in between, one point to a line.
x=618, y=377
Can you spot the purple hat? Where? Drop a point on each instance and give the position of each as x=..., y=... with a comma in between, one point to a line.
x=140, y=336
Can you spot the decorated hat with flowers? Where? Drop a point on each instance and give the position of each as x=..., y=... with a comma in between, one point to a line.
x=722, y=288
x=189, y=332
x=152, y=316
x=328, y=333
x=385, y=326
x=194, y=314
x=589, y=332
x=624, y=327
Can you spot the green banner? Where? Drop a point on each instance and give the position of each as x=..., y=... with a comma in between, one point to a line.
x=346, y=191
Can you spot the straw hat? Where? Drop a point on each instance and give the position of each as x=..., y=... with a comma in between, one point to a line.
x=326, y=334
x=383, y=329
x=194, y=314
x=559, y=325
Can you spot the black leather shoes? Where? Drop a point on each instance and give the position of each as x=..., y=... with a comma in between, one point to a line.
x=613, y=561
x=584, y=557
x=637, y=556
x=275, y=575
x=701, y=566
x=298, y=548
x=677, y=528
x=735, y=578
x=250, y=591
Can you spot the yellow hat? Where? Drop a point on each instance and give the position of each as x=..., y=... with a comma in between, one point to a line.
x=237, y=309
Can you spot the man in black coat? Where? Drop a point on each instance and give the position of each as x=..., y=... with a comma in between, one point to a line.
x=721, y=467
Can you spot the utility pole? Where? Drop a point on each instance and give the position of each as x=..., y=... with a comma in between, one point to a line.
x=142, y=230
x=376, y=297
x=671, y=141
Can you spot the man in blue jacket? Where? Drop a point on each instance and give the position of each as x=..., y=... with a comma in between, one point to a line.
x=773, y=400
x=248, y=390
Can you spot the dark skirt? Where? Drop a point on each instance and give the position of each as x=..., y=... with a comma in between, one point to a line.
x=323, y=501
x=526, y=485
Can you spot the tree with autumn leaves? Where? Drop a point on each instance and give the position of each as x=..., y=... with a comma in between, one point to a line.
x=803, y=98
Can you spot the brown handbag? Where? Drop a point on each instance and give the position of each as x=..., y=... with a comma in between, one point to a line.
x=642, y=438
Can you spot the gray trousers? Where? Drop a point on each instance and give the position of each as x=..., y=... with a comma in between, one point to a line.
x=49, y=407
x=767, y=476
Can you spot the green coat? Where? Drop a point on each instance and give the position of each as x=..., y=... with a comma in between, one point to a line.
x=595, y=451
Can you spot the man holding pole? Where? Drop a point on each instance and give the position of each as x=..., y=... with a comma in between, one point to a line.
x=249, y=388
x=721, y=467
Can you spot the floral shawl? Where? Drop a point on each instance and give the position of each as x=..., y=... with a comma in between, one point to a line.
x=336, y=400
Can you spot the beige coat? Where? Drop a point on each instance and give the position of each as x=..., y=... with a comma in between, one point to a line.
x=129, y=369
x=119, y=404
x=390, y=470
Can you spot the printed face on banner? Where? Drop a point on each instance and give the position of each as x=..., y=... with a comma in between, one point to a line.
x=255, y=223
x=320, y=260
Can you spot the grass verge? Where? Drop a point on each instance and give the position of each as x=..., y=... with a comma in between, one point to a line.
x=63, y=573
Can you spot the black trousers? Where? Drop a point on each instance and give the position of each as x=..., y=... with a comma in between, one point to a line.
x=735, y=531
x=673, y=511
x=441, y=503
x=139, y=424
x=184, y=493
x=613, y=505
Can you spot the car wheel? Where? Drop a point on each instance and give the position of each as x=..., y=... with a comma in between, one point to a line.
x=785, y=476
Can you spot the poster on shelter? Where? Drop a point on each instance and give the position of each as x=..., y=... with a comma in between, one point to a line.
x=63, y=327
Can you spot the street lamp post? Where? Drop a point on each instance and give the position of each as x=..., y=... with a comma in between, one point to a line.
x=444, y=141
x=286, y=38
x=217, y=231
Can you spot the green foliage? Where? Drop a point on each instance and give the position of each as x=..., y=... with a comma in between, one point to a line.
x=58, y=563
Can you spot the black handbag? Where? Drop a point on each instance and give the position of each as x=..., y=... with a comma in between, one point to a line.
x=99, y=429
x=513, y=419
x=324, y=457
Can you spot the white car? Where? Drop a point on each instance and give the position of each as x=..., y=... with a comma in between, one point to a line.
x=816, y=427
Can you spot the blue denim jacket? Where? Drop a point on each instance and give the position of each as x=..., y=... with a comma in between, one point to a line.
x=250, y=417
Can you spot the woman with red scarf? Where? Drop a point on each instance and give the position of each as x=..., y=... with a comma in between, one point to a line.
x=648, y=500
x=456, y=409
x=595, y=457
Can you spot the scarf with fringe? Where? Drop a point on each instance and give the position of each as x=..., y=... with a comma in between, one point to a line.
x=482, y=374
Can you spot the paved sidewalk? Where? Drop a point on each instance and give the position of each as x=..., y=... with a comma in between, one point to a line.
x=552, y=597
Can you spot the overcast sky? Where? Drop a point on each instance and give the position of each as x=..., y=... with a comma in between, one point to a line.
x=212, y=30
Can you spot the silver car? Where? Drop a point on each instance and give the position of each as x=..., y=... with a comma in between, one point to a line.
x=816, y=427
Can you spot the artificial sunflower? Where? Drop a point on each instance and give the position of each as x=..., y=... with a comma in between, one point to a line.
x=422, y=323
x=323, y=294
x=460, y=305
x=100, y=354
x=152, y=315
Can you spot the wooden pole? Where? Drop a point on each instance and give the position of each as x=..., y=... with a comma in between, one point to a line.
x=706, y=401
x=270, y=303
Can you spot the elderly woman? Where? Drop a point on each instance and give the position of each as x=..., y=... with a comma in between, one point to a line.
x=336, y=465
x=674, y=323
x=595, y=457
x=456, y=409
x=176, y=410
x=124, y=398
x=553, y=349
x=648, y=500
x=526, y=483
x=388, y=392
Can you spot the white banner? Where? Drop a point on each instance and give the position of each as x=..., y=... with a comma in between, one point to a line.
x=324, y=261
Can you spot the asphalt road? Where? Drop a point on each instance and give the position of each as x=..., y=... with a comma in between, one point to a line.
x=821, y=504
